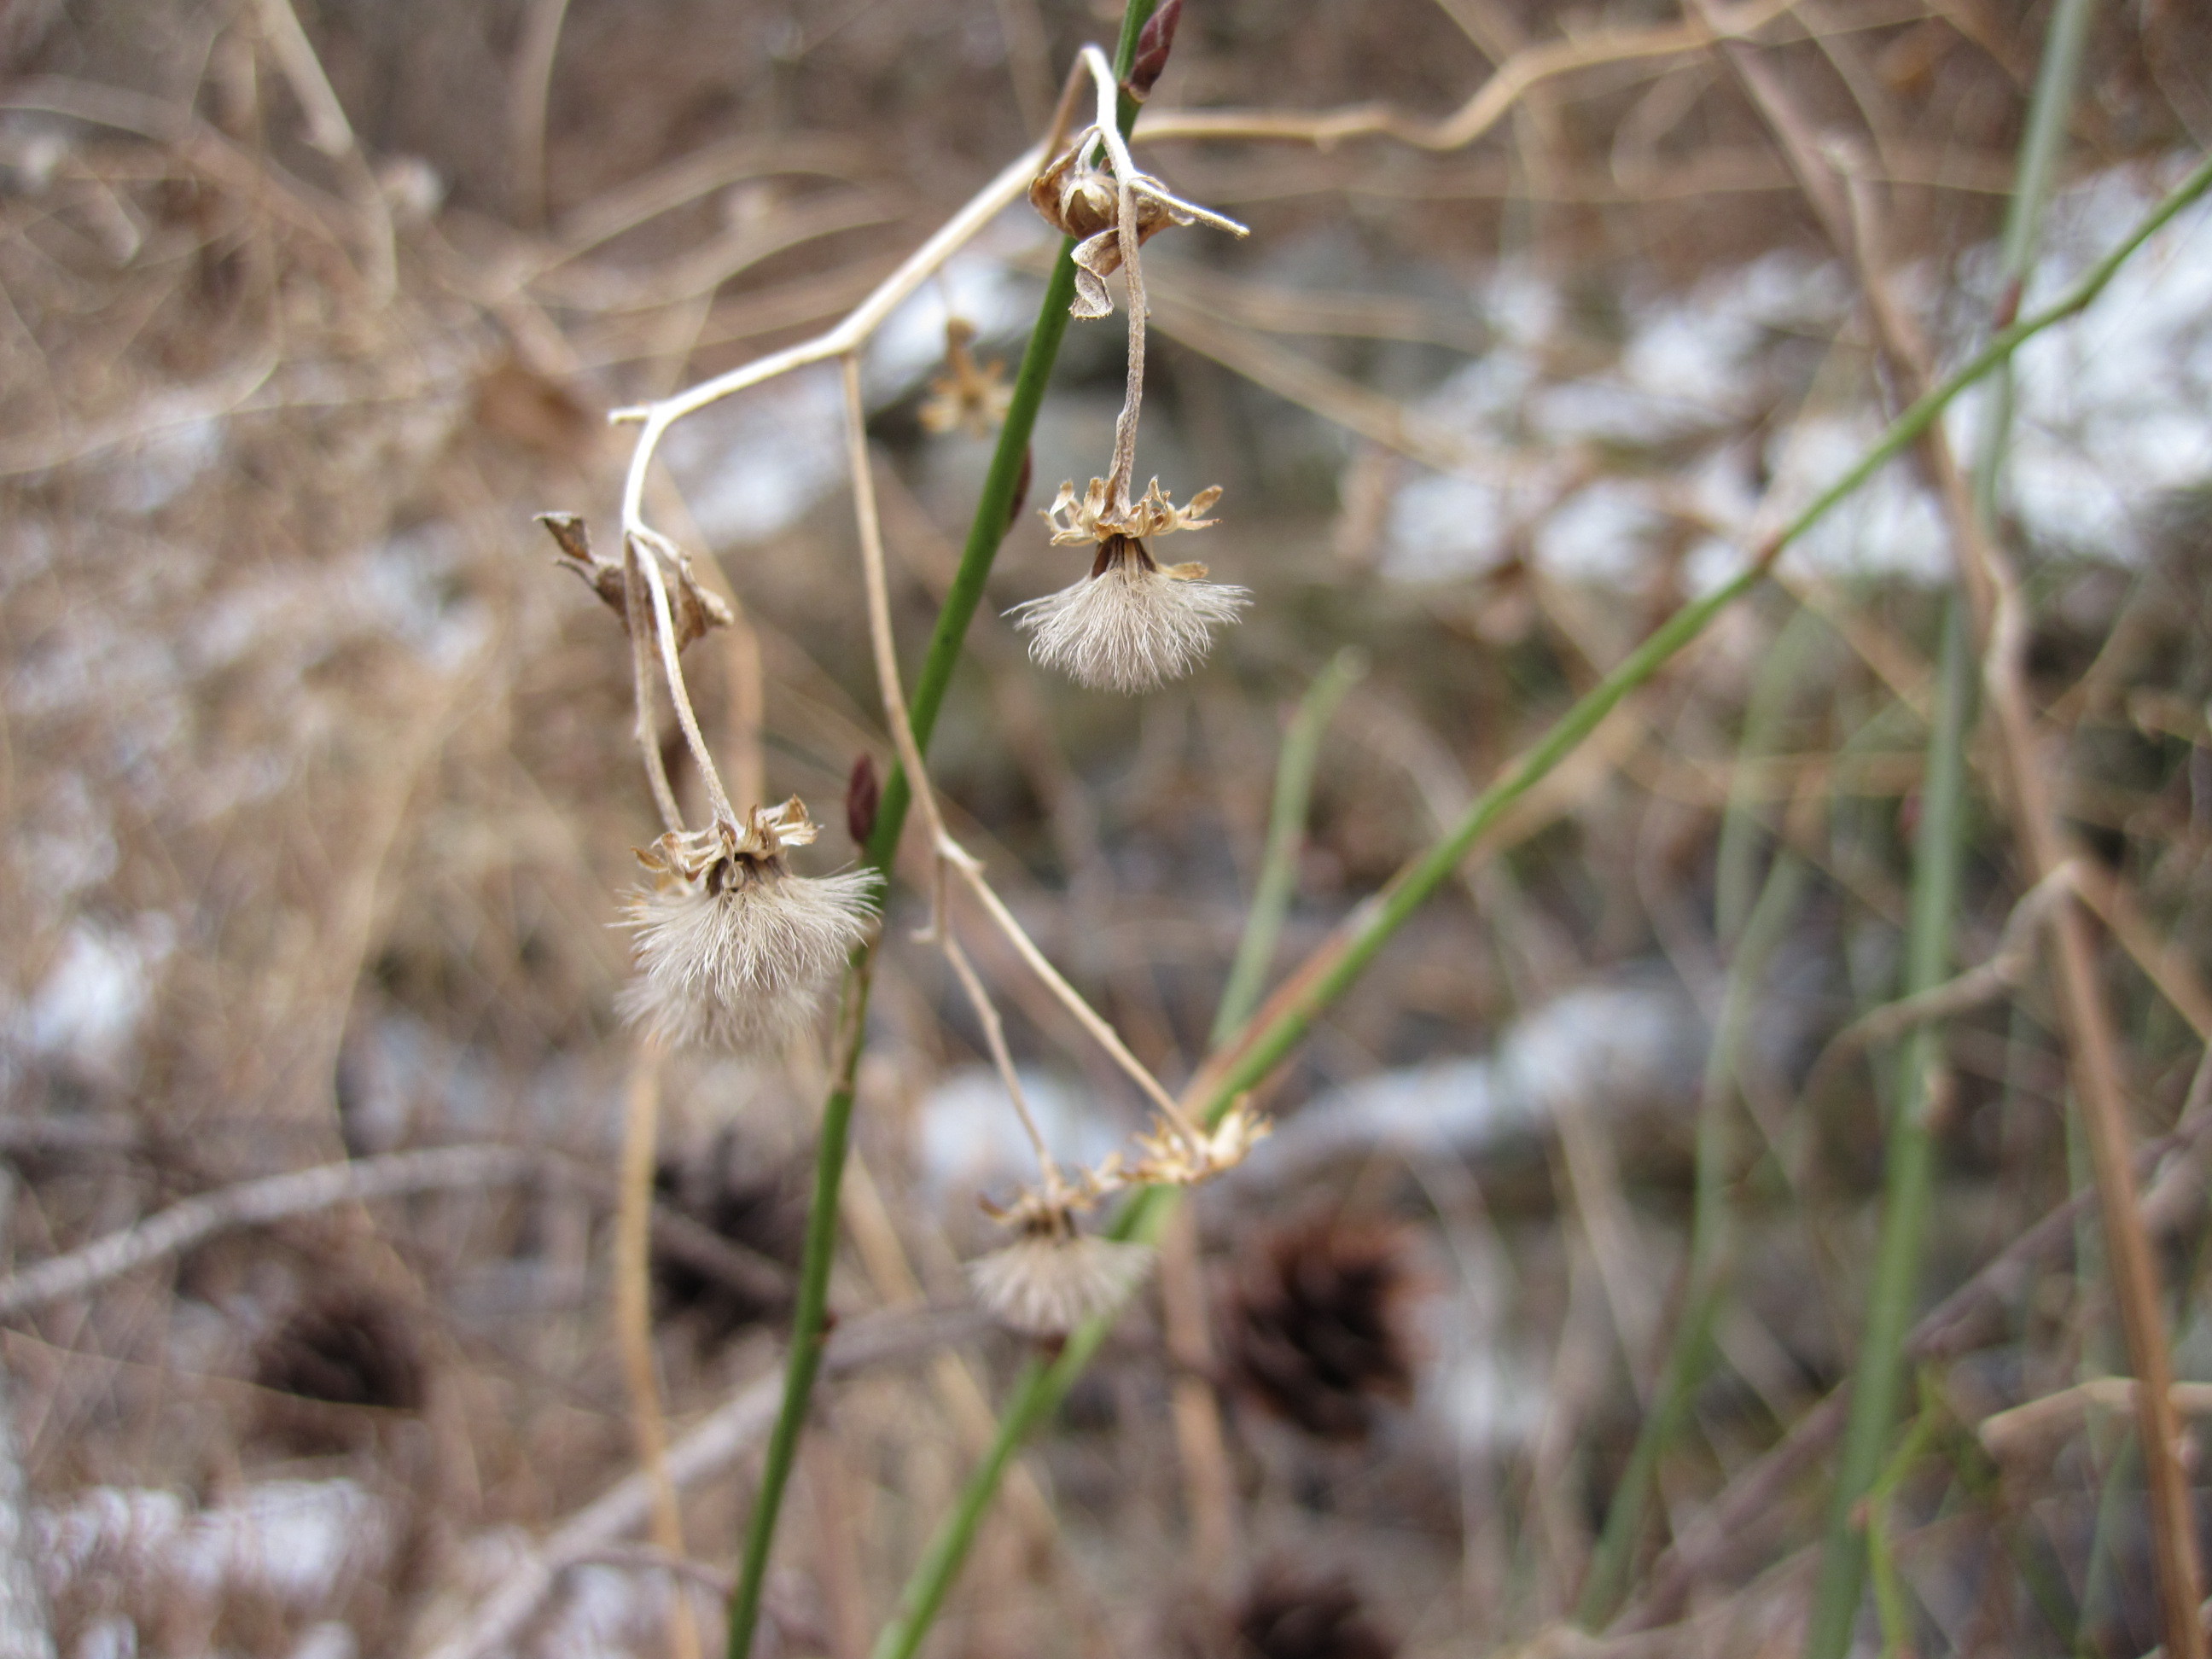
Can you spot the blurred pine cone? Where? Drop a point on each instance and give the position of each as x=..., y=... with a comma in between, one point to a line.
x=754, y=1203
x=345, y=1349
x=1314, y=1331
x=1288, y=1613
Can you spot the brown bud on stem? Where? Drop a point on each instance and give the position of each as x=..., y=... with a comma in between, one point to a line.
x=863, y=794
x=1154, y=41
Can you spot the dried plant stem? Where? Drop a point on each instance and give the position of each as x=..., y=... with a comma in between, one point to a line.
x=1209, y=1482
x=994, y=1038
x=948, y=852
x=642, y=617
x=256, y=1204
x=1490, y=104
x=995, y=510
x=1100, y=1030
x=1289, y=1012
x=633, y=1286
x=671, y=665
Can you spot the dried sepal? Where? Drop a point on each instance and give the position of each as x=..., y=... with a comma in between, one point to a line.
x=733, y=950
x=1129, y=626
x=1095, y=517
x=1054, y=1278
x=697, y=610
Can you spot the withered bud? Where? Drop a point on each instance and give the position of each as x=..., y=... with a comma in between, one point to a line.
x=696, y=610
x=1154, y=41
x=863, y=795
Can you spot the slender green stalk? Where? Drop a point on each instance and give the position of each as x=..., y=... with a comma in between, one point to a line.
x=1286, y=829
x=1292, y=1011
x=1889, y=1592
x=1706, y=1284
x=1908, y=1184
x=994, y=511
x=1938, y=858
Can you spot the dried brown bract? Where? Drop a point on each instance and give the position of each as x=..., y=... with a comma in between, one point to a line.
x=1316, y=1331
x=697, y=609
x=733, y=950
x=1078, y=197
x=1053, y=1278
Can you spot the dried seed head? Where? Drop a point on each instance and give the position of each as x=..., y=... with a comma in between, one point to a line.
x=733, y=950
x=1052, y=1279
x=1130, y=625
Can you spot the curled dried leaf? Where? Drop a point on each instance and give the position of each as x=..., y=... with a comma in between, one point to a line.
x=697, y=609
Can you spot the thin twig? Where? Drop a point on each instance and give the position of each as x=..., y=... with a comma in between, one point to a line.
x=256, y=1204
x=709, y=1449
x=633, y=1313
x=2005, y=969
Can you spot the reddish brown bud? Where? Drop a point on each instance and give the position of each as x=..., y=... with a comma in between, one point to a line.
x=863, y=794
x=1154, y=41
x=1023, y=479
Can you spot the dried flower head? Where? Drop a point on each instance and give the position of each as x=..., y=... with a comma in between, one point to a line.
x=1132, y=624
x=1078, y=197
x=1169, y=1158
x=1053, y=1277
x=733, y=950
x=968, y=396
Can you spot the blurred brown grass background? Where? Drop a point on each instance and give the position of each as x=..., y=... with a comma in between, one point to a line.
x=319, y=802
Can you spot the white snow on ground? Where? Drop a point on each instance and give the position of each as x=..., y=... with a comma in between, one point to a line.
x=304, y=1543
x=2113, y=410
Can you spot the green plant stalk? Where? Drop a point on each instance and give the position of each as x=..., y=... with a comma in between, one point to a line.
x=1286, y=828
x=1938, y=857
x=1705, y=1285
x=1909, y=1177
x=1889, y=1593
x=994, y=511
x=1291, y=1012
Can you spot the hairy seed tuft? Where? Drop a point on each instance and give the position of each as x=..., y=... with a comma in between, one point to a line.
x=1131, y=626
x=1049, y=1282
x=737, y=956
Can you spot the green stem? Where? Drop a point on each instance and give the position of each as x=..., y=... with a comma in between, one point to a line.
x=1938, y=857
x=1889, y=1591
x=1908, y=1185
x=1689, y=1353
x=1038, y=1389
x=994, y=511
x=1286, y=828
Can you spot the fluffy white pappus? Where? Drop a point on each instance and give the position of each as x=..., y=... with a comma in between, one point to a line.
x=1131, y=628
x=1048, y=1284
x=741, y=965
